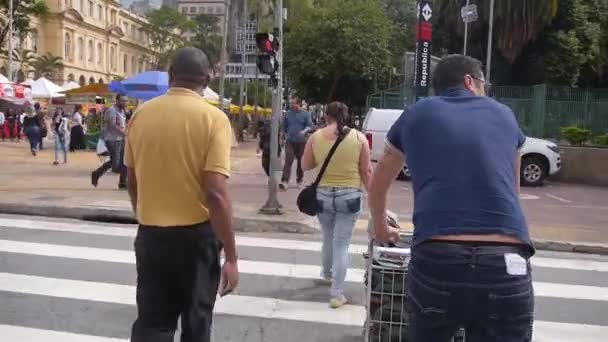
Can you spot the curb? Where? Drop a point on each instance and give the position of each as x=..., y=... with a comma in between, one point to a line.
x=245, y=223
x=242, y=222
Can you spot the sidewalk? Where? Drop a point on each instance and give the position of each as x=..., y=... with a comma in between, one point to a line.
x=33, y=186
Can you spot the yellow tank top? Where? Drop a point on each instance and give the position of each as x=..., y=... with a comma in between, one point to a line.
x=343, y=169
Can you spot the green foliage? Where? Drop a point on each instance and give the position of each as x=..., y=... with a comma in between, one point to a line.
x=263, y=91
x=23, y=10
x=167, y=28
x=574, y=40
x=576, y=136
x=602, y=140
x=47, y=66
x=207, y=38
x=335, y=51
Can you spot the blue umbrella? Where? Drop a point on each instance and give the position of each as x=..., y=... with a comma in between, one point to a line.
x=146, y=86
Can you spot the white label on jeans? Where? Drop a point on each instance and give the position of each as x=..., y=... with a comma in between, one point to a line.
x=516, y=265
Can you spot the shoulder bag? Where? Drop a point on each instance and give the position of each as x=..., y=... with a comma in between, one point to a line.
x=307, y=200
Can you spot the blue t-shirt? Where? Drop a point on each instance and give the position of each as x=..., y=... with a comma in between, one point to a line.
x=295, y=123
x=461, y=150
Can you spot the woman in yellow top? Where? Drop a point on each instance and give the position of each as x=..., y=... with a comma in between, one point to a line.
x=339, y=192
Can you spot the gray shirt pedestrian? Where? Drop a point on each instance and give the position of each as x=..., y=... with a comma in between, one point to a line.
x=114, y=124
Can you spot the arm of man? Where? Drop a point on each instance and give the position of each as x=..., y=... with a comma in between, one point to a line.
x=215, y=179
x=520, y=143
x=389, y=166
x=308, y=158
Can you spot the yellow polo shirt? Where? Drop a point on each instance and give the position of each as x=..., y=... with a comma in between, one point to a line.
x=171, y=141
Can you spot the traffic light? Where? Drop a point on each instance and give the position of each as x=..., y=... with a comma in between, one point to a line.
x=268, y=47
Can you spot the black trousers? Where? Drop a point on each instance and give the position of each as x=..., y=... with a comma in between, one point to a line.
x=178, y=274
x=293, y=151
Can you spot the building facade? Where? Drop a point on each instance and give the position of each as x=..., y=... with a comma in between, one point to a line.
x=192, y=8
x=98, y=41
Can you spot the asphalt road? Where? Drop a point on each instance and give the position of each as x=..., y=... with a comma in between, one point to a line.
x=63, y=280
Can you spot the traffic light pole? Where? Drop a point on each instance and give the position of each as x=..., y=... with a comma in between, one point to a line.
x=224, y=55
x=272, y=206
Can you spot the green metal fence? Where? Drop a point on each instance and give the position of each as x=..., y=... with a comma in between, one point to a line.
x=541, y=110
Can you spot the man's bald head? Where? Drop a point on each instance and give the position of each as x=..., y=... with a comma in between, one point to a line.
x=189, y=69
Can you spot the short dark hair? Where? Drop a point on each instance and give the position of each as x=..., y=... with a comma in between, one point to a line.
x=119, y=97
x=297, y=99
x=189, y=65
x=450, y=71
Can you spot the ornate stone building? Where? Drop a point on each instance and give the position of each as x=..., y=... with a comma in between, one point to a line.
x=98, y=40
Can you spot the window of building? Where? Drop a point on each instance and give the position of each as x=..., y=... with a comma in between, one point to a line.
x=133, y=64
x=192, y=10
x=82, y=9
x=125, y=61
x=100, y=12
x=134, y=31
x=81, y=49
x=34, y=40
x=91, y=9
x=126, y=27
x=91, y=51
x=184, y=10
x=99, y=53
x=113, y=58
x=218, y=10
x=113, y=17
x=67, y=48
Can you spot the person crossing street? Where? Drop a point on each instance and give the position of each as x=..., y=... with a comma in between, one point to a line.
x=297, y=124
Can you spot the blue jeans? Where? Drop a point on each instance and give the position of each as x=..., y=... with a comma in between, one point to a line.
x=341, y=209
x=33, y=135
x=61, y=146
x=470, y=285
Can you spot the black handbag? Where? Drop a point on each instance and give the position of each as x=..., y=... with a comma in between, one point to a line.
x=307, y=199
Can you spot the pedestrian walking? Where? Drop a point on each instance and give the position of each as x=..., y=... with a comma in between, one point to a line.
x=40, y=115
x=264, y=134
x=32, y=129
x=470, y=262
x=297, y=124
x=178, y=170
x=339, y=192
x=2, y=123
x=77, y=141
x=11, y=126
x=114, y=121
x=60, y=124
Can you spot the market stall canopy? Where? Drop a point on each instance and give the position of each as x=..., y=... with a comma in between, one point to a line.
x=147, y=85
x=91, y=89
x=70, y=85
x=16, y=94
x=4, y=79
x=43, y=88
x=27, y=83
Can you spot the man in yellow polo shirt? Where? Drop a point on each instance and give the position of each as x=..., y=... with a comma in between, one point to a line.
x=178, y=161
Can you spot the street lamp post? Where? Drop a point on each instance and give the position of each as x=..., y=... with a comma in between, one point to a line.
x=466, y=32
x=224, y=55
x=243, y=36
x=272, y=206
x=490, y=36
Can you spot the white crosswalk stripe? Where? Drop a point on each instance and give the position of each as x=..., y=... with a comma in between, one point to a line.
x=277, y=290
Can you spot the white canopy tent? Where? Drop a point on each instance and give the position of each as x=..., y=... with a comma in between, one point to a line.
x=4, y=79
x=43, y=88
x=70, y=85
x=27, y=82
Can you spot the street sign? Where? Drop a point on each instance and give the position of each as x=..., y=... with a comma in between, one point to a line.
x=424, y=37
x=469, y=13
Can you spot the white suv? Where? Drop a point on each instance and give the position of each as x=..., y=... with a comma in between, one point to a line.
x=540, y=158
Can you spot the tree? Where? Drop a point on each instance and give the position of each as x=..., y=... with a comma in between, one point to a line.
x=574, y=40
x=166, y=28
x=23, y=10
x=264, y=94
x=335, y=51
x=207, y=38
x=47, y=66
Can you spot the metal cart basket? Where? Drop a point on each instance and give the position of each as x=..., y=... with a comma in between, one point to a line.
x=386, y=282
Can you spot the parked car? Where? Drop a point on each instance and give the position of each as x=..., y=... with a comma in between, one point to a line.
x=540, y=158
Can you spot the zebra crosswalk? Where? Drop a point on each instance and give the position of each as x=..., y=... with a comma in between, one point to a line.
x=65, y=280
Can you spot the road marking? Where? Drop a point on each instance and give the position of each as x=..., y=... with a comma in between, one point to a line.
x=276, y=269
x=528, y=197
x=12, y=333
x=250, y=241
x=563, y=200
x=568, y=332
x=270, y=268
x=236, y=305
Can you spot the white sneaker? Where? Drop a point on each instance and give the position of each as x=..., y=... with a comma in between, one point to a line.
x=337, y=302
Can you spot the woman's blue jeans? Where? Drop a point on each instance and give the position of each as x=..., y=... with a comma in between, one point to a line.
x=341, y=209
x=33, y=135
x=61, y=146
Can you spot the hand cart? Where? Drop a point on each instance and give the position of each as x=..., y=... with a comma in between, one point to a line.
x=386, y=282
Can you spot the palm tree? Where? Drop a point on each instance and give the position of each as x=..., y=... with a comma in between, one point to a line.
x=25, y=58
x=47, y=66
x=516, y=22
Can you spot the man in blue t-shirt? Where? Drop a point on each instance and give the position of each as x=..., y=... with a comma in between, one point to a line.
x=297, y=124
x=470, y=263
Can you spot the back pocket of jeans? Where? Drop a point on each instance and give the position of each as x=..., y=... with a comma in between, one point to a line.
x=354, y=205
